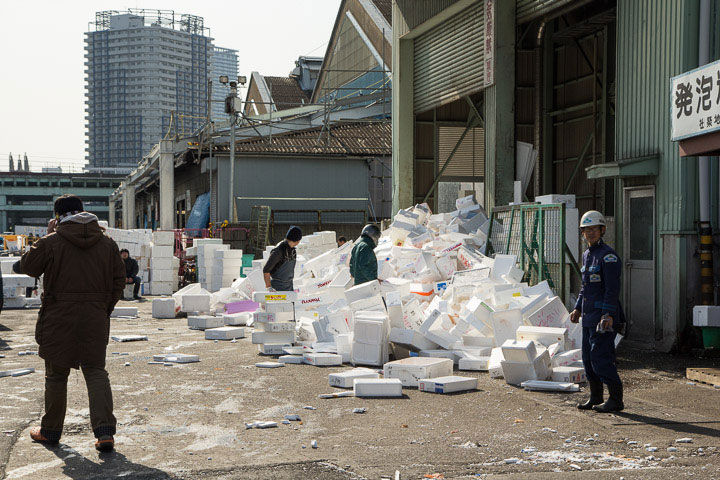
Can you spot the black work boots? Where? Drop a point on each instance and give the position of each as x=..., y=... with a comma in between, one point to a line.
x=615, y=402
x=596, y=396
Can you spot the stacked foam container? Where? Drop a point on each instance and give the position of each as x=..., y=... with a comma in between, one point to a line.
x=14, y=286
x=226, y=265
x=274, y=323
x=163, y=264
x=437, y=295
x=138, y=243
x=205, y=255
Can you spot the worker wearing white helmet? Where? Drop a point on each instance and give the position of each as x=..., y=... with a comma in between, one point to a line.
x=602, y=317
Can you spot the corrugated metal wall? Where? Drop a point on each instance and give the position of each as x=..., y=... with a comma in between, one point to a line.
x=415, y=12
x=657, y=39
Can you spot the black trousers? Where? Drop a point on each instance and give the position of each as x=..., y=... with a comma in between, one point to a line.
x=136, y=288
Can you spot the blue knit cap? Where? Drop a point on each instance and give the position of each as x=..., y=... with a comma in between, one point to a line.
x=294, y=234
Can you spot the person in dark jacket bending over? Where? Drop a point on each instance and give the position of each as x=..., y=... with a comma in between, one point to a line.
x=131, y=271
x=83, y=279
x=602, y=315
x=363, y=263
x=279, y=270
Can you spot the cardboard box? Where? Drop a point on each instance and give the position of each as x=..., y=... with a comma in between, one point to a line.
x=411, y=370
x=448, y=384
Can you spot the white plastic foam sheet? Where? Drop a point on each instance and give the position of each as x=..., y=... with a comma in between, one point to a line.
x=551, y=314
x=505, y=324
x=410, y=370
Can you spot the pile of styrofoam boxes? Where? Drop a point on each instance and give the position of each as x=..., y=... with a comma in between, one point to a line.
x=138, y=243
x=226, y=267
x=163, y=268
x=205, y=258
x=274, y=325
x=438, y=296
x=13, y=290
x=311, y=246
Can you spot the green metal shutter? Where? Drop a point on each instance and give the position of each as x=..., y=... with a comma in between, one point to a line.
x=449, y=60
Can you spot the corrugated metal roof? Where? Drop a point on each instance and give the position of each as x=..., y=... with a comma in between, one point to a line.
x=385, y=7
x=286, y=92
x=360, y=138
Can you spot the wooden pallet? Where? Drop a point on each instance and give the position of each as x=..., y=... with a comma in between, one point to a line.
x=710, y=376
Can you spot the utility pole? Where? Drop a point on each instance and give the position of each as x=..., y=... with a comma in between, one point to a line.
x=232, y=107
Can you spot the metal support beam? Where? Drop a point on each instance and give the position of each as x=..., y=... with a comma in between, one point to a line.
x=581, y=158
x=167, y=185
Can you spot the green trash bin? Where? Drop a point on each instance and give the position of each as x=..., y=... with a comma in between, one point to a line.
x=711, y=337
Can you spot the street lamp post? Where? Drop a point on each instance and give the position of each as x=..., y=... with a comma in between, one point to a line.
x=231, y=108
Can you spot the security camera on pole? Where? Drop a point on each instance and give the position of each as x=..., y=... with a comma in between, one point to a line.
x=233, y=105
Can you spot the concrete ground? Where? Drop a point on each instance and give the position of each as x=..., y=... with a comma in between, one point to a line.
x=188, y=421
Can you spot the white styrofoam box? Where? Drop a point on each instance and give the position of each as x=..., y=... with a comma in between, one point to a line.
x=176, y=358
x=162, y=251
x=325, y=297
x=273, y=337
x=161, y=263
x=371, y=303
x=443, y=338
x=160, y=237
x=478, y=364
x=224, y=333
x=20, y=302
x=272, y=348
x=551, y=314
x=15, y=280
x=277, y=307
x=706, y=316
x=237, y=319
x=369, y=331
x=519, y=351
x=565, y=359
x=568, y=374
x=411, y=339
x=274, y=327
x=124, y=312
x=163, y=275
x=323, y=359
x=505, y=324
x=539, y=369
x=339, y=322
x=494, y=364
x=471, y=340
x=199, y=302
x=554, y=198
x=544, y=335
x=163, y=308
x=347, y=378
x=450, y=354
x=366, y=354
x=294, y=359
x=203, y=322
x=377, y=387
x=161, y=288
x=411, y=370
x=229, y=254
x=364, y=290
x=450, y=384
x=264, y=317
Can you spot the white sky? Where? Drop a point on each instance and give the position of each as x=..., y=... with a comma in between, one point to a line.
x=42, y=86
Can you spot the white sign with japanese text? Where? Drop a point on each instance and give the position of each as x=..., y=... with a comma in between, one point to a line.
x=489, y=42
x=695, y=100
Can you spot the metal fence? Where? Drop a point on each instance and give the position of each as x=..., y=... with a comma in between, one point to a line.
x=535, y=234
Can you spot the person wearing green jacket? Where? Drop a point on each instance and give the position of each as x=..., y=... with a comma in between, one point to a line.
x=363, y=263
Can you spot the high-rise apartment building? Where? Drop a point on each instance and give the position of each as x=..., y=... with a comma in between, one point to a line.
x=224, y=62
x=146, y=73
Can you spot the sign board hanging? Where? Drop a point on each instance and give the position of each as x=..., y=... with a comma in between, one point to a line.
x=489, y=42
x=695, y=102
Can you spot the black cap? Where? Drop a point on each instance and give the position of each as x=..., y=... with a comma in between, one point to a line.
x=294, y=234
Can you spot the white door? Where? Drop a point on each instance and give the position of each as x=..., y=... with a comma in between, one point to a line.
x=639, y=273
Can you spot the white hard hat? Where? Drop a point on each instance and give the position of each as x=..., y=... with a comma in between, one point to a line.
x=592, y=218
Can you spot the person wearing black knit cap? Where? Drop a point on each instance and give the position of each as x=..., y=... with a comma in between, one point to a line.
x=279, y=270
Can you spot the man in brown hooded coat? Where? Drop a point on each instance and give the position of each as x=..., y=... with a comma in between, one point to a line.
x=83, y=279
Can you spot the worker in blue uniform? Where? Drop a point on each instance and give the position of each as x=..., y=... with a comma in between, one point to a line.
x=602, y=316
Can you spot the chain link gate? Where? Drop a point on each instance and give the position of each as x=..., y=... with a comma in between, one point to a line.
x=535, y=234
